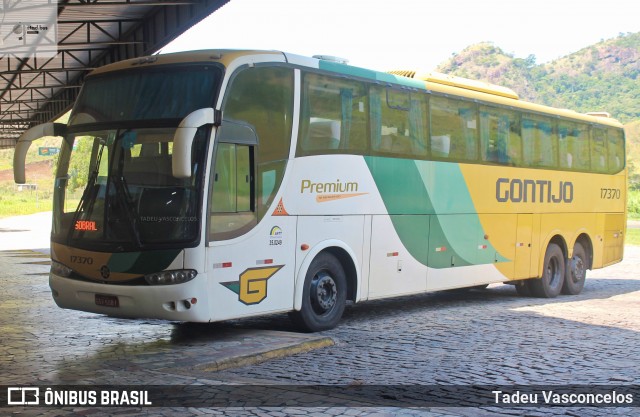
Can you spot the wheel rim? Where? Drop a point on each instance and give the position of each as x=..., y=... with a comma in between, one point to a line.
x=553, y=272
x=324, y=292
x=577, y=269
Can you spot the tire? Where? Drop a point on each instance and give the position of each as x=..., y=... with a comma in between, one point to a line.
x=550, y=284
x=324, y=295
x=575, y=272
x=523, y=288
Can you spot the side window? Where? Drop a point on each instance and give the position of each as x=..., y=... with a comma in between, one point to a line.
x=334, y=116
x=615, y=145
x=573, y=146
x=261, y=98
x=231, y=202
x=398, y=122
x=539, y=141
x=598, y=150
x=500, y=139
x=454, y=129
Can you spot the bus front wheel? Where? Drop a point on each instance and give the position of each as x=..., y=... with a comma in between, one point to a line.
x=550, y=284
x=576, y=271
x=324, y=295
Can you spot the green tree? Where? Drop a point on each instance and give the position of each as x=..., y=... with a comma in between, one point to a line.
x=79, y=163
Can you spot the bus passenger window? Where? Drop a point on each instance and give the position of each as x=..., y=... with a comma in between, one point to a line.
x=615, y=143
x=453, y=129
x=540, y=142
x=573, y=146
x=566, y=156
x=500, y=139
x=334, y=116
x=598, y=150
x=398, y=122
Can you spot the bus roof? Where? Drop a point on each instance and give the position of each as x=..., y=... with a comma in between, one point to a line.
x=222, y=56
x=431, y=81
x=455, y=81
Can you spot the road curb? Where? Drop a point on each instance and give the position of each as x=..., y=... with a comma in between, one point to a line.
x=254, y=358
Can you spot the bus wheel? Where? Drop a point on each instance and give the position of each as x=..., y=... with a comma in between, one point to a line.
x=576, y=272
x=550, y=284
x=323, y=296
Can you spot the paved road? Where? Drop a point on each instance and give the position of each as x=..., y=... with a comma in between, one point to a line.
x=481, y=338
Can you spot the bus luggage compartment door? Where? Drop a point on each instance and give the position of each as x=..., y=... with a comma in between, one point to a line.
x=523, y=246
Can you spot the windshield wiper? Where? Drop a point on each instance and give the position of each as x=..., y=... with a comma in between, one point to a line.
x=123, y=196
x=124, y=200
x=85, y=205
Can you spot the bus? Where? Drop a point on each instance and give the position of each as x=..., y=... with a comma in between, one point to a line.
x=222, y=184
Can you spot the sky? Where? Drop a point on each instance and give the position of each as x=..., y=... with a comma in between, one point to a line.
x=411, y=34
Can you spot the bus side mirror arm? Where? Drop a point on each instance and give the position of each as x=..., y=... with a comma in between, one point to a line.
x=183, y=139
x=24, y=142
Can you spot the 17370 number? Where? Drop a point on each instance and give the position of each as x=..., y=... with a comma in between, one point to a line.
x=610, y=193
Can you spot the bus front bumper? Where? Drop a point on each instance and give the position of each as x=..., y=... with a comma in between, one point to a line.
x=180, y=302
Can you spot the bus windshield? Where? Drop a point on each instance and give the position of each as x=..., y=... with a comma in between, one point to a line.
x=114, y=189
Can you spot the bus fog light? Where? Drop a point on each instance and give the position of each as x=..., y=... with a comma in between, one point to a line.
x=179, y=276
x=58, y=269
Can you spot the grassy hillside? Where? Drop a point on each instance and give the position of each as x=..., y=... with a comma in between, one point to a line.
x=487, y=62
x=601, y=77
x=632, y=132
x=37, y=195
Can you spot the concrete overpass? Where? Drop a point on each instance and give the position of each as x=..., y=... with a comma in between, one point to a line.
x=90, y=33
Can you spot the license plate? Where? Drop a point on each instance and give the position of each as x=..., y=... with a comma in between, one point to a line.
x=107, y=300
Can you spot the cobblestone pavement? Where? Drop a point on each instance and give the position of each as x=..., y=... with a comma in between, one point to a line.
x=487, y=338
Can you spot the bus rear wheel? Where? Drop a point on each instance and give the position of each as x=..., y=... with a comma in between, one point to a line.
x=324, y=295
x=576, y=271
x=550, y=284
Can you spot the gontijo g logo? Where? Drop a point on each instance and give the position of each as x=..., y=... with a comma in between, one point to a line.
x=252, y=286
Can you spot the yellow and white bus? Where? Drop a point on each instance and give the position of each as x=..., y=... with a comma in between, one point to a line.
x=222, y=184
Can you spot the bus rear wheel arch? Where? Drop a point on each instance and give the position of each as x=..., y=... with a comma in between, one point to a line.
x=323, y=296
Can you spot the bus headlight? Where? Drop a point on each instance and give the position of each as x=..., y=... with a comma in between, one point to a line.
x=60, y=270
x=170, y=277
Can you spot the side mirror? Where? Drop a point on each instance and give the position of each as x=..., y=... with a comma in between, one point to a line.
x=237, y=132
x=24, y=142
x=183, y=139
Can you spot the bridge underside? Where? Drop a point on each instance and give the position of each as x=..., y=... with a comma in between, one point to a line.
x=90, y=33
